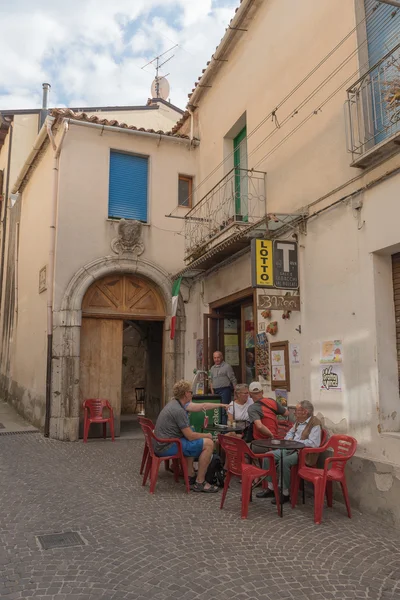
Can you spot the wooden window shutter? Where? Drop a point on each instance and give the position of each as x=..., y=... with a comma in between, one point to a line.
x=396, y=293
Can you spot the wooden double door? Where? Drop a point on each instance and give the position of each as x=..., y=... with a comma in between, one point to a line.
x=106, y=305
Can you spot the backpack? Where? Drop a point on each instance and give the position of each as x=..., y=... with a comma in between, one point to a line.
x=248, y=432
x=215, y=474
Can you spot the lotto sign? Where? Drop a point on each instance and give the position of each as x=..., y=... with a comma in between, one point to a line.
x=274, y=264
x=262, y=259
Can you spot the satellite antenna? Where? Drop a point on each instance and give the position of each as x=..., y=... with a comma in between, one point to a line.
x=160, y=86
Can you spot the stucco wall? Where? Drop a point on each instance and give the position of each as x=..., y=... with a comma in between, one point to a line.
x=24, y=373
x=84, y=232
x=284, y=41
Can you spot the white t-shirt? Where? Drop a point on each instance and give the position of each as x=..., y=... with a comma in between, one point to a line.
x=241, y=413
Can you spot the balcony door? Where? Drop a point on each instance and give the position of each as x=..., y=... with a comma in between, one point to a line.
x=241, y=183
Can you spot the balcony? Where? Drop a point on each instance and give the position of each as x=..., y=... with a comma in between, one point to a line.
x=217, y=225
x=373, y=112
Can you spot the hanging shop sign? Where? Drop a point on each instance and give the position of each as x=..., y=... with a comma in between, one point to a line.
x=274, y=264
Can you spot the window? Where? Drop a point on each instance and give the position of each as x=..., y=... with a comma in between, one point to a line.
x=127, y=196
x=185, y=187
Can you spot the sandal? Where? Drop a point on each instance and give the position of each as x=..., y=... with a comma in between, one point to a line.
x=200, y=487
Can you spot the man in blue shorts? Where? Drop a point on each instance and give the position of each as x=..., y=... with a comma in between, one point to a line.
x=173, y=422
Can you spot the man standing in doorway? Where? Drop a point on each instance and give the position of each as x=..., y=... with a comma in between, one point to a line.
x=222, y=381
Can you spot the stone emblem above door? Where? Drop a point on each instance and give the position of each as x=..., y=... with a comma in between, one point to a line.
x=129, y=238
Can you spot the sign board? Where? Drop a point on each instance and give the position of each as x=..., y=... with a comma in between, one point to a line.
x=275, y=302
x=275, y=264
x=286, y=267
x=262, y=260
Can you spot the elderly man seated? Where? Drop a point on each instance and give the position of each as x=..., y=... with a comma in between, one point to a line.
x=307, y=430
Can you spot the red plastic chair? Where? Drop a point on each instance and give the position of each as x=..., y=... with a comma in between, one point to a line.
x=344, y=447
x=294, y=474
x=153, y=462
x=94, y=414
x=149, y=422
x=236, y=451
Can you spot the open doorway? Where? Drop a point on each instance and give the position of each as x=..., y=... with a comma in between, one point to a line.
x=142, y=372
x=230, y=329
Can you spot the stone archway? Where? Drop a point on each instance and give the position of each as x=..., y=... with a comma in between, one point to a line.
x=65, y=405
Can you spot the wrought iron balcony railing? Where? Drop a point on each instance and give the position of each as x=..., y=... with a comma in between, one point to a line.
x=235, y=203
x=373, y=111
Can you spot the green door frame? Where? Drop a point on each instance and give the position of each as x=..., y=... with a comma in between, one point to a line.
x=237, y=165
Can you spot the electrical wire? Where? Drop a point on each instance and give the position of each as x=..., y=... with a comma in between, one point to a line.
x=312, y=114
x=376, y=32
x=287, y=97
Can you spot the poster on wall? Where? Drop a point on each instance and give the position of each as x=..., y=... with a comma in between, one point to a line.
x=331, y=377
x=281, y=397
x=232, y=355
x=199, y=355
x=231, y=340
x=278, y=373
x=230, y=326
x=331, y=352
x=294, y=355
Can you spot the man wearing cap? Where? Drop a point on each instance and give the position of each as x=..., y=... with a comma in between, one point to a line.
x=263, y=413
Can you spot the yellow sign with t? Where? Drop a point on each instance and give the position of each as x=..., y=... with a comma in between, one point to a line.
x=263, y=264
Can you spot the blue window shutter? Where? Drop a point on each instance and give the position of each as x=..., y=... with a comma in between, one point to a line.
x=127, y=196
x=382, y=30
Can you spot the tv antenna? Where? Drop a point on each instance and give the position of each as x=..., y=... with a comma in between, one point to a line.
x=160, y=85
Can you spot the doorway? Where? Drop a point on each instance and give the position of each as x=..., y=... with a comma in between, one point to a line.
x=121, y=355
x=141, y=391
x=230, y=329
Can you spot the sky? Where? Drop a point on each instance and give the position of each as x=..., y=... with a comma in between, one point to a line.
x=92, y=51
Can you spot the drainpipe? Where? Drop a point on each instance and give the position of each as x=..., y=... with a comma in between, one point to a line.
x=191, y=124
x=50, y=275
x=3, y=241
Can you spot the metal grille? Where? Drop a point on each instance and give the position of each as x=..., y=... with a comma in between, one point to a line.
x=60, y=540
x=18, y=432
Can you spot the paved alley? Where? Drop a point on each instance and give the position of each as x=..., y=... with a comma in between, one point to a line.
x=170, y=545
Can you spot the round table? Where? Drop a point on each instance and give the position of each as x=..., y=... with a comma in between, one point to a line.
x=265, y=445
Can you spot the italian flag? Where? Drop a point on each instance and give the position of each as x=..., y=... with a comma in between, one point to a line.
x=175, y=295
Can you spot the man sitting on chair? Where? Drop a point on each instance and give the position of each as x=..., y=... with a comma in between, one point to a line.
x=173, y=422
x=307, y=430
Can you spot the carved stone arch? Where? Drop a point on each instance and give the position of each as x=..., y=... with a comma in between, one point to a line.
x=64, y=417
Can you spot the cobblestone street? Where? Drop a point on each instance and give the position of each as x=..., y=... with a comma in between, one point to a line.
x=170, y=545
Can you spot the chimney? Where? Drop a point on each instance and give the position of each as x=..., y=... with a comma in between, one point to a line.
x=45, y=103
x=46, y=90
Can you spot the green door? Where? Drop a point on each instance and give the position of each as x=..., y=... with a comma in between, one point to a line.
x=240, y=165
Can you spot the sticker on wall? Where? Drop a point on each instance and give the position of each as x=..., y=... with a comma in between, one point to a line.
x=281, y=397
x=331, y=352
x=294, y=354
x=331, y=378
x=277, y=358
x=261, y=327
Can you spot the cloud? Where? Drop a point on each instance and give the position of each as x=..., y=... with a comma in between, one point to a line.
x=97, y=56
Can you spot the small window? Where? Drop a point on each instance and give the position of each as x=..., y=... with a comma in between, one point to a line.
x=127, y=196
x=185, y=191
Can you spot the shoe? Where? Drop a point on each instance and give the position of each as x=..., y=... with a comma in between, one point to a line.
x=285, y=499
x=192, y=479
x=265, y=494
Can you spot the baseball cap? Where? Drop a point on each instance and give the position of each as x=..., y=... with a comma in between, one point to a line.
x=255, y=387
